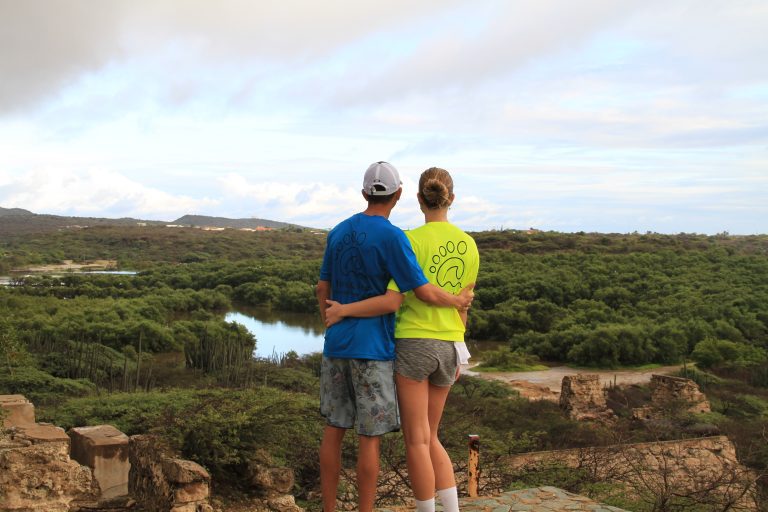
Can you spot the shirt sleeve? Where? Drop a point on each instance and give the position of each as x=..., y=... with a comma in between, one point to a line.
x=474, y=267
x=403, y=267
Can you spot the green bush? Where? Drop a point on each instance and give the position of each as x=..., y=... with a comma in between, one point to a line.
x=712, y=352
x=221, y=429
x=507, y=360
x=43, y=388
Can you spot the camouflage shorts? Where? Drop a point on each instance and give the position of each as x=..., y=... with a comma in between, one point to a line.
x=359, y=391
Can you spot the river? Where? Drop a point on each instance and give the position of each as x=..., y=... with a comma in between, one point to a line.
x=278, y=333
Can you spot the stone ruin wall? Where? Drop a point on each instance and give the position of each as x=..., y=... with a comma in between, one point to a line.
x=161, y=482
x=669, y=393
x=583, y=398
x=44, y=469
x=666, y=389
x=692, y=465
x=100, y=469
x=36, y=472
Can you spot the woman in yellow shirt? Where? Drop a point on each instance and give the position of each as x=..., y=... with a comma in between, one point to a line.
x=429, y=340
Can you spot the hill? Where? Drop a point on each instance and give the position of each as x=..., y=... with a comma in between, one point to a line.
x=17, y=221
x=13, y=212
x=223, y=222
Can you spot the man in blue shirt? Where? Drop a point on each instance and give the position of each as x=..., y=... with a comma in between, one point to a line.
x=357, y=384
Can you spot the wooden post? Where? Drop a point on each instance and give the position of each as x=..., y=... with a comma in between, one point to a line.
x=474, y=460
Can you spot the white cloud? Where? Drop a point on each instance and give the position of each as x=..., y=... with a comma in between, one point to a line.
x=306, y=203
x=552, y=114
x=94, y=193
x=44, y=46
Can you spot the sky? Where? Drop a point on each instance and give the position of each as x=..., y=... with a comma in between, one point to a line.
x=589, y=115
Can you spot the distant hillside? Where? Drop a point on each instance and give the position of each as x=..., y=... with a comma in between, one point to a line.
x=222, y=222
x=13, y=212
x=17, y=221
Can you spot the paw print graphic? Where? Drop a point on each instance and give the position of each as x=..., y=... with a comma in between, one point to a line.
x=448, y=265
x=348, y=254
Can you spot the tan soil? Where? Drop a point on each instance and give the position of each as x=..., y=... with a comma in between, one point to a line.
x=545, y=384
x=70, y=265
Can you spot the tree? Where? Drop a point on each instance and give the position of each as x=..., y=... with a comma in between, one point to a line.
x=12, y=351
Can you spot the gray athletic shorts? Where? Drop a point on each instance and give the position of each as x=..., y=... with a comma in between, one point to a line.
x=359, y=391
x=421, y=358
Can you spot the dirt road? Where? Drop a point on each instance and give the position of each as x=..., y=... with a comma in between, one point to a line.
x=70, y=266
x=545, y=384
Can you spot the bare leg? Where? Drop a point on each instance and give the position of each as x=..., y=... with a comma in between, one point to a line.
x=330, y=465
x=413, y=397
x=367, y=471
x=441, y=462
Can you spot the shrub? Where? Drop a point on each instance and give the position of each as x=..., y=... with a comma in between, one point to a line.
x=507, y=360
x=43, y=388
x=712, y=352
x=221, y=429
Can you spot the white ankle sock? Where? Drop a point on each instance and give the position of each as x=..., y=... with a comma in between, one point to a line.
x=425, y=505
x=449, y=499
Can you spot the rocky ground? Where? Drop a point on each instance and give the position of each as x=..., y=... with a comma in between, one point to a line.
x=543, y=499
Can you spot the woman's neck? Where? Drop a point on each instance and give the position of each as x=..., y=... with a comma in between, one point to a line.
x=440, y=215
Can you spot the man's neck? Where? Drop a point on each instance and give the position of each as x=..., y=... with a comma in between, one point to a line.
x=381, y=210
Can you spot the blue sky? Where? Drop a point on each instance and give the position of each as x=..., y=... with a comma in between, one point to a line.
x=609, y=116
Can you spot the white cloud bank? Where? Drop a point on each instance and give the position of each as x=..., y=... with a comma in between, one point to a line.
x=91, y=193
x=595, y=115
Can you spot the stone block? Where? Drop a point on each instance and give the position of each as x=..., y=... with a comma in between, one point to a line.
x=45, y=433
x=104, y=449
x=284, y=504
x=582, y=397
x=160, y=481
x=194, y=492
x=271, y=481
x=187, y=507
x=40, y=477
x=182, y=471
x=18, y=411
x=670, y=391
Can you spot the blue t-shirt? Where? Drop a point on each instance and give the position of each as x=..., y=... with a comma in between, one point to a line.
x=362, y=254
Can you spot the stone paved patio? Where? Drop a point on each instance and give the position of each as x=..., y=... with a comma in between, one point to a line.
x=544, y=499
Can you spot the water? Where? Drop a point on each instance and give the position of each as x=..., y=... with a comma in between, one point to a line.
x=280, y=332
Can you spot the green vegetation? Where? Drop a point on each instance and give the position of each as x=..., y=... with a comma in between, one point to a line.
x=505, y=359
x=223, y=429
x=151, y=352
x=597, y=309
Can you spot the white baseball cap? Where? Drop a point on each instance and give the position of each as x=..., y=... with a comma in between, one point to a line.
x=381, y=179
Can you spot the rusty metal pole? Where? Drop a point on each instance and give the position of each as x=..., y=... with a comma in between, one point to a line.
x=473, y=478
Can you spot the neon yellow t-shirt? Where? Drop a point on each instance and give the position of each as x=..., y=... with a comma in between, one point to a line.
x=450, y=260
